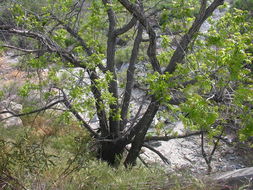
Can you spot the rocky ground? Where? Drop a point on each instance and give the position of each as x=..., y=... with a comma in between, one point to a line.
x=8, y=74
x=10, y=79
x=186, y=154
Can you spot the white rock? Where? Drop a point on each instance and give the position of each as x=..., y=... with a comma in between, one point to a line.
x=236, y=177
x=7, y=119
x=10, y=105
x=11, y=121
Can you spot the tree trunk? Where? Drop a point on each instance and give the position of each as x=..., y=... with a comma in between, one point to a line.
x=141, y=129
x=111, y=152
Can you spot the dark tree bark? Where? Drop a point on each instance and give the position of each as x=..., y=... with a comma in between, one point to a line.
x=130, y=77
x=140, y=132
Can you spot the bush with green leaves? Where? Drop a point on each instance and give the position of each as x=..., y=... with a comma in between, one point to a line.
x=22, y=159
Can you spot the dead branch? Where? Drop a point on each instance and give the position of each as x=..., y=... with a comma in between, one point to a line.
x=167, y=138
x=163, y=158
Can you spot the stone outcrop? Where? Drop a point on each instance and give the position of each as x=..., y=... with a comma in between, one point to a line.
x=236, y=178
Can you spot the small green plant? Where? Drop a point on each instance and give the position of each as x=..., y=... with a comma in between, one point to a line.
x=22, y=159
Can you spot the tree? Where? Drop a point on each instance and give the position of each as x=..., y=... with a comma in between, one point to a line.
x=194, y=78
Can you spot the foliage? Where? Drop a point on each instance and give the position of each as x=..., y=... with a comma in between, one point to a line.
x=22, y=158
x=244, y=4
x=177, y=15
x=219, y=64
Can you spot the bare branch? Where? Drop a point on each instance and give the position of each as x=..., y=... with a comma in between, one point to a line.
x=134, y=120
x=208, y=158
x=50, y=44
x=167, y=138
x=31, y=112
x=163, y=158
x=23, y=50
x=79, y=12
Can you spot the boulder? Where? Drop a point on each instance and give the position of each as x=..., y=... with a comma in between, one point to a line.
x=10, y=105
x=236, y=178
x=11, y=121
x=7, y=119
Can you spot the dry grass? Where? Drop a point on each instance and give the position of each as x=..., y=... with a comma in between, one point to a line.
x=42, y=126
x=9, y=74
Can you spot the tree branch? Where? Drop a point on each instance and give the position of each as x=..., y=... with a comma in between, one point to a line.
x=202, y=7
x=139, y=132
x=93, y=77
x=31, y=112
x=99, y=102
x=182, y=47
x=139, y=14
x=77, y=115
x=53, y=47
x=113, y=84
x=126, y=27
x=50, y=44
x=130, y=76
x=23, y=50
x=167, y=138
x=144, y=163
x=88, y=50
x=163, y=158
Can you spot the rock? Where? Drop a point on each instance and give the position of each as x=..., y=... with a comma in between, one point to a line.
x=10, y=105
x=11, y=121
x=236, y=178
x=187, y=152
x=7, y=119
